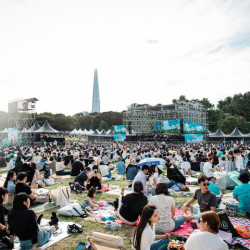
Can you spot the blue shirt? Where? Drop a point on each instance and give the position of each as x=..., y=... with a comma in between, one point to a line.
x=214, y=188
x=120, y=167
x=242, y=194
x=11, y=187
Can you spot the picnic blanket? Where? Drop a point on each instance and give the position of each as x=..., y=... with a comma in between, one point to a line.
x=106, y=188
x=54, y=239
x=184, y=230
x=238, y=240
x=117, y=191
x=39, y=208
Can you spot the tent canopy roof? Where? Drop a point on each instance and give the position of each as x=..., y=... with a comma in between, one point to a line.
x=236, y=133
x=46, y=128
x=218, y=133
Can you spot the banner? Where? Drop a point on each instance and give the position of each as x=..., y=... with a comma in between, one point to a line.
x=13, y=136
x=193, y=128
x=193, y=138
x=120, y=129
x=170, y=127
x=120, y=137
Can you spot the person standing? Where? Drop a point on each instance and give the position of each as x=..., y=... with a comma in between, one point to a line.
x=239, y=161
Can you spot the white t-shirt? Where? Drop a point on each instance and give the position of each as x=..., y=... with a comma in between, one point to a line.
x=205, y=241
x=206, y=167
x=163, y=204
x=104, y=170
x=185, y=165
x=147, y=237
x=59, y=166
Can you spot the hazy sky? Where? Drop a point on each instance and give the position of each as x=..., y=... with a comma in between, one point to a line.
x=146, y=51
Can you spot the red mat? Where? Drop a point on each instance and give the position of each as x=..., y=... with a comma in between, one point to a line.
x=183, y=230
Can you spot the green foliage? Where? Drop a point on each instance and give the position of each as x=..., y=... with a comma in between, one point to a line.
x=230, y=122
x=103, y=125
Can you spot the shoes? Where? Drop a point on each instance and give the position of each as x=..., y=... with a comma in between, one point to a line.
x=54, y=219
x=74, y=228
x=39, y=219
x=112, y=225
x=115, y=226
x=108, y=225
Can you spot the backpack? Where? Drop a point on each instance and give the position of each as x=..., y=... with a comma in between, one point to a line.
x=226, y=225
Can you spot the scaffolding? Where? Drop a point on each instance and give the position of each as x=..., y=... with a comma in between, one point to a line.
x=21, y=115
x=140, y=119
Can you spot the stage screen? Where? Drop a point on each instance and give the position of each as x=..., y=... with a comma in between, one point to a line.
x=120, y=137
x=193, y=128
x=193, y=138
x=170, y=127
x=120, y=129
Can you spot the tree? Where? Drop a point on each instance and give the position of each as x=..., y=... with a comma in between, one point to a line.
x=103, y=125
x=230, y=122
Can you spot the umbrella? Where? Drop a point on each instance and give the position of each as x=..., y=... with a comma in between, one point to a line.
x=151, y=162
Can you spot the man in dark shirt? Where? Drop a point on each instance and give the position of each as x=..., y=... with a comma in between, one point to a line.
x=81, y=178
x=77, y=168
x=206, y=199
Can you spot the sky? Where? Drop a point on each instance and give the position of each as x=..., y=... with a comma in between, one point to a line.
x=145, y=51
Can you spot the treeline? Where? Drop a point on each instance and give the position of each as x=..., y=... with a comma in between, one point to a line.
x=229, y=113
x=61, y=122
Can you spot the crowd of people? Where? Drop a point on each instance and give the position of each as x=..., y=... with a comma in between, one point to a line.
x=150, y=205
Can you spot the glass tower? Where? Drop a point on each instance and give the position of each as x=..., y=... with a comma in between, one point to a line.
x=96, y=96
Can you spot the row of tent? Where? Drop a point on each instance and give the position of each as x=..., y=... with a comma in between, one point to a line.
x=235, y=134
x=37, y=129
x=92, y=132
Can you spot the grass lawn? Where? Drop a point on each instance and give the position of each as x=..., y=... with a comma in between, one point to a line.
x=125, y=232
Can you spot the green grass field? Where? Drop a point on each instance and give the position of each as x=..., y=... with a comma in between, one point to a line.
x=125, y=232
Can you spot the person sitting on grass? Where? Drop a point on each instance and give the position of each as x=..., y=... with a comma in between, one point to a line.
x=144, y=236
x=22, y=187
x=241, y=193
x=153, y=178
x=206, y=199
x=89, y=203
x=186, y=167
x=23, y=223
x=208, y=166
x=130, y=206
x=166, y=206
x=206, y=238
x=60, y=168
x=10, y=182
x=120, y=166
x=94, y=179
x=4, y=231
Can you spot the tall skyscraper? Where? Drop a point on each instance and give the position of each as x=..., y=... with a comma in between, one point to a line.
x=96, y=95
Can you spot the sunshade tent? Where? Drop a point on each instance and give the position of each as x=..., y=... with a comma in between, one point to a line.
x=151, y=162
x=236, y=133
x=46, y=129
x=218, y=134
x=35, y=127
x=110, y=132
x=96, y=132
x=103, y=132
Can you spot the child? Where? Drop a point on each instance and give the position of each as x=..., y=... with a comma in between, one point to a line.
x=89, y=203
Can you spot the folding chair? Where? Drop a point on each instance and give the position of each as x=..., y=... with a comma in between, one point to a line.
x=101, y=241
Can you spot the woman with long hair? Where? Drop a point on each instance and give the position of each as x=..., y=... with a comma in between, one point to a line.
x=23, y=224
x=153, y=178
x=144, y=235
x=10, y=181
x=207, y=237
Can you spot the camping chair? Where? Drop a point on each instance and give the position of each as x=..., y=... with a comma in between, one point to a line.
x=101, y=241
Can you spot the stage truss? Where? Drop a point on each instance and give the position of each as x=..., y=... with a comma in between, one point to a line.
x=22, y=116
x=140, y=119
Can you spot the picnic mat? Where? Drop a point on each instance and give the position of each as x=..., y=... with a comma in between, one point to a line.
x=237, y=240
x=106, y=188
x=117, y=191
x=39, y=208
x=53, y=239
x=183, y=230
